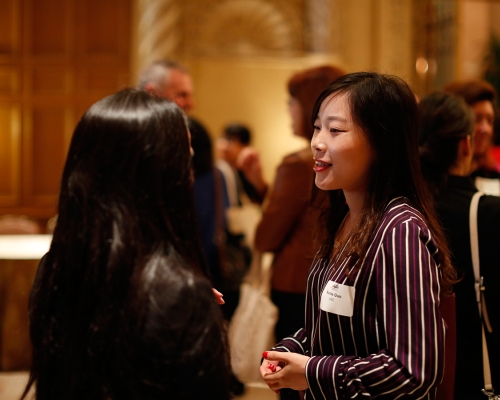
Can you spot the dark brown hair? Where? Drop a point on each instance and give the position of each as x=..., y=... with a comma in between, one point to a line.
x=306, y=86
x=445, y=120
x=472, y=90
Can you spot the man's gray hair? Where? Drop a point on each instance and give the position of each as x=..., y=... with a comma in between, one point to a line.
x=157, y=74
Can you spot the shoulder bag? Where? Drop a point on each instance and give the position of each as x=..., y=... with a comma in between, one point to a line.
x=479, y=287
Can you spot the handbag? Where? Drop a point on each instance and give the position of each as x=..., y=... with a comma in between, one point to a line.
x=479, y=288
x=251, y=329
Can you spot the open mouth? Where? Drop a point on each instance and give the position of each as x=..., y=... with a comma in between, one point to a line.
x=321, y=164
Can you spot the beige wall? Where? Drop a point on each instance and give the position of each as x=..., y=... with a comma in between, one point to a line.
x=375, y=35
x=477, y=20
x=251, y=91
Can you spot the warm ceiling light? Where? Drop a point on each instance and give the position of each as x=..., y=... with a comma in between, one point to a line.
x=422, y=66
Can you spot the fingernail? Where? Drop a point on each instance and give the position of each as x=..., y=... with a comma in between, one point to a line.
x=272, y=367
x=277, y=391
x=264, y=354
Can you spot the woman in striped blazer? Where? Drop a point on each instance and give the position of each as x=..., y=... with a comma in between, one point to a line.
x=373, y=326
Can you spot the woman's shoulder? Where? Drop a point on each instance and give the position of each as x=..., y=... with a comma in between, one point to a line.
x=399, y=212
x=489, y=212
x=401, y=225
x=492, y=203
x=401, y=208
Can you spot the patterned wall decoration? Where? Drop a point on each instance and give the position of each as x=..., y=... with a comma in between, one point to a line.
x=187, y=28
x=158, y=33
x=243, y=28
x=324, y=18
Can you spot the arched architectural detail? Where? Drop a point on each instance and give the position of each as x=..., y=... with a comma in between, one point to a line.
x=322, y=19
x=158, y=32
x=244, y=27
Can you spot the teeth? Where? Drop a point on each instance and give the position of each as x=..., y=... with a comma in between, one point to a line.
x=320, y=164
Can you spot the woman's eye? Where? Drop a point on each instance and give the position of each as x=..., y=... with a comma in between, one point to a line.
x=335, y=130
x=316, y=128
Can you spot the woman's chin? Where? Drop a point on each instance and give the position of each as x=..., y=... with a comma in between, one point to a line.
x=323, y=185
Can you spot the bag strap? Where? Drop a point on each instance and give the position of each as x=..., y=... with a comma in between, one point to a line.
x=474, y=245
x=479, y=287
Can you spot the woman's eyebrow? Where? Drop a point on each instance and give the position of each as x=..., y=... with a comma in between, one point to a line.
x=336, y=118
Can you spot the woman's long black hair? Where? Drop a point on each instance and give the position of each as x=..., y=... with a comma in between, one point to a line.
x=115, y=310
x=385, y=108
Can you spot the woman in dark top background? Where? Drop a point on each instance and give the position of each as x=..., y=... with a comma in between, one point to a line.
x=447, y=150
x=122, y=307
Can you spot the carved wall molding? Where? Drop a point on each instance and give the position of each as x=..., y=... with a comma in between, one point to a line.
x=158, y=33
x=323, y=17
x=189, y=28
x=244, y=28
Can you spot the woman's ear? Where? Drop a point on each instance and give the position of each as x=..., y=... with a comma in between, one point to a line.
x=463, y=160
x=465, y=146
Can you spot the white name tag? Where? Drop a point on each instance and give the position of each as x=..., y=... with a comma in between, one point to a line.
x=338, y=299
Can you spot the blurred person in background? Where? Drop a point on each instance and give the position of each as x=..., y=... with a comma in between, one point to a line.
x=211, y=202
x=170, y=80
x=447, y=142
x=241, y=166
x=481, y=95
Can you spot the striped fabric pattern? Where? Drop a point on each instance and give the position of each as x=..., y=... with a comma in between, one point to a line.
x=393, y=345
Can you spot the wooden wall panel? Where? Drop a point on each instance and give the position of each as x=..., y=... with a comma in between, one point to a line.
x=95, y=35
x=49, y=27
x=57, y=57
x=46, y=154
x=100, y=80
x=10, y=79
x=9, y=27
x=10, y=154
x=50, y=80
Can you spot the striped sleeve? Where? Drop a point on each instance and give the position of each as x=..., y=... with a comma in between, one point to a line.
x=297, y=343
x=410, y=362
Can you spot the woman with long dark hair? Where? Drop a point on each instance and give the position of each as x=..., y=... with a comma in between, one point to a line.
x=447, y=153
x=373, y=326
x=288, y=221
x=122, y=307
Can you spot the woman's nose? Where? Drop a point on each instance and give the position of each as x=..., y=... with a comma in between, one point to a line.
x=318, y=145
x=484, y=126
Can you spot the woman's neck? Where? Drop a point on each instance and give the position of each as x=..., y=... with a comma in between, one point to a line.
x=458, y=171
x=461, y=167
x=355, y=201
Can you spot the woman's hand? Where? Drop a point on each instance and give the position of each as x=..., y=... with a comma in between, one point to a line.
x=284, y=370
x=218, y=296
x=249, y=163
